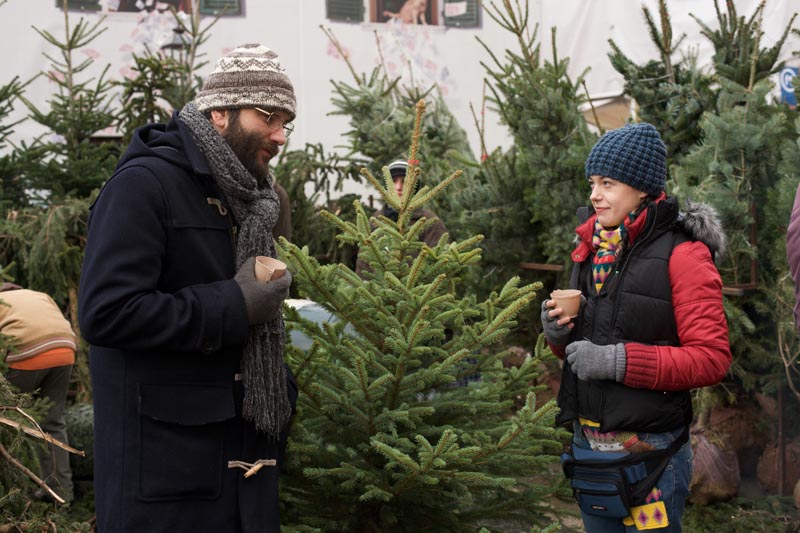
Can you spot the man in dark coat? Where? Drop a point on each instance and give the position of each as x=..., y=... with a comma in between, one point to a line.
x=192, y=399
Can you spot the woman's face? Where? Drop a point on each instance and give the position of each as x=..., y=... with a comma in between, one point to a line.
x=613, y=200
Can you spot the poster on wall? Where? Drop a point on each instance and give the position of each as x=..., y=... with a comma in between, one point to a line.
x=422, y=12
x=205, y=7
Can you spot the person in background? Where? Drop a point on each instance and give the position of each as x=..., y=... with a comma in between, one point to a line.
x=430, y=236
x=652, y=326
x=793, y=253
x=40, y=358
x=192, y=399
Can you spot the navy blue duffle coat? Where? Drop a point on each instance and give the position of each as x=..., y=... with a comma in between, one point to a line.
x=166, y=324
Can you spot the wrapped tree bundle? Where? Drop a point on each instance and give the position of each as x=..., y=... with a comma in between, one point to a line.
x=716, y=475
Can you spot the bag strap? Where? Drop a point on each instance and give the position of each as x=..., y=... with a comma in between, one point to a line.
x=642, y=488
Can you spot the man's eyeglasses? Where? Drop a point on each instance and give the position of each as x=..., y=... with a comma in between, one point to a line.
x=274, y=122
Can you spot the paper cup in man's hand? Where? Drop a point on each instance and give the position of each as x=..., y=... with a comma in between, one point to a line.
x=569, y=300
x=268, y=268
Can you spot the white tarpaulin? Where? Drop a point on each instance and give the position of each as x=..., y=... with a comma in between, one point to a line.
x=448, y=57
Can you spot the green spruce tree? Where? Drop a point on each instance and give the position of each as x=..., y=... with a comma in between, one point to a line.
x=12, y=190
x=523, y=200
x=166, y=79
x=310, y=177
x=673, y=95
x=390, y=434
x=41, y=245
x=727, y=140
x=781, y=296
x=68, y=161
x=737, y=53
x=381, y=119
x=736, y=170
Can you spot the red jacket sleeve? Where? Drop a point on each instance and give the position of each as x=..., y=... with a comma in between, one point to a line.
x=558, y=350
x=704, y=354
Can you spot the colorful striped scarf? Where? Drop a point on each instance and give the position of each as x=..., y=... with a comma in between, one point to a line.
x=606, y=243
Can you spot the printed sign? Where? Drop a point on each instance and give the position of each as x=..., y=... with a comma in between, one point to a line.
x=787, y=87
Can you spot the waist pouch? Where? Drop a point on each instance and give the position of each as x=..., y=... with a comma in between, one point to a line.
x=608, y=484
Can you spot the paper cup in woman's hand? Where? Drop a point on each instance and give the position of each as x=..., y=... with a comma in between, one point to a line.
x=569, y=300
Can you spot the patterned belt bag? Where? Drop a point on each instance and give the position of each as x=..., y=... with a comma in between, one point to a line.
x=608, y=484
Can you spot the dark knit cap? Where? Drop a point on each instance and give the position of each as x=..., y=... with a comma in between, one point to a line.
x=249, y=76
x=633, y=154
x=398, y=169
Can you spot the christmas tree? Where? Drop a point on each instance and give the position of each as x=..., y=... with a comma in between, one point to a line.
x=671, y=94
x=70, y=160
x=390, y=434
x=165, y=79
x=674, y=95
x=381, y=112
x=12, y=191
x=540, y=103
x=523, y=200
x=310, y=176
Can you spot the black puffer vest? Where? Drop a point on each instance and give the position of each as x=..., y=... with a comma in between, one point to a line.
x=634, y=305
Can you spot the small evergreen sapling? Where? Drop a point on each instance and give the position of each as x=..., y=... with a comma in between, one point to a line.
x=12, y=191
x=531, y=193
x=383, y=439
x=69, y=161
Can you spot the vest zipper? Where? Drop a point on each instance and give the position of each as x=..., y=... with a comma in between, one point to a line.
x=618, y=274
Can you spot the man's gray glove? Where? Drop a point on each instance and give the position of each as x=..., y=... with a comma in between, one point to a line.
x=557, y=335
x=262, y=298
x=591, y=361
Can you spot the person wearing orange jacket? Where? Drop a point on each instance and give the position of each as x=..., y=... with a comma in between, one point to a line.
x=41, y=353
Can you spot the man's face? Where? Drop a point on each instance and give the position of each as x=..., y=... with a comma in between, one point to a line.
x=398, y=185
x=253, y=142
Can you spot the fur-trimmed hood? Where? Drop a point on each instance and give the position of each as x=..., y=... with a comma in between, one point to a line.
x=698, y=221
x=701, y=223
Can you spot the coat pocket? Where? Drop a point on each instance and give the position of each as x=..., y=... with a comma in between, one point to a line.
x=181, y=440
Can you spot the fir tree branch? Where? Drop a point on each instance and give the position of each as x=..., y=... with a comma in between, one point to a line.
x=594, y=111
x=38, y=433
x=22, y=468
x=329, y=34
x=380, y=54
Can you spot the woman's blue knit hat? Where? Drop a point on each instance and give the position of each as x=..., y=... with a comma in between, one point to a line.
x=633, y=154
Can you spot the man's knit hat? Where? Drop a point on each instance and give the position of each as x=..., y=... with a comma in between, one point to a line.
x=249, y=76
x=633, y=154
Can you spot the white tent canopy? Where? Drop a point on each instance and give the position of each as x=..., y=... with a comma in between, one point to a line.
x=449, y=57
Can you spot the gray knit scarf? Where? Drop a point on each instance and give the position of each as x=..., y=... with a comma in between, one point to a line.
x=256, y=208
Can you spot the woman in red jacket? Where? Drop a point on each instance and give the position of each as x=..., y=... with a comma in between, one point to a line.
x=651, y=328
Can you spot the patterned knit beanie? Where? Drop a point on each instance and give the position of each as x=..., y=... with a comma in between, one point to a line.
x=633, y=154
x=249, y=76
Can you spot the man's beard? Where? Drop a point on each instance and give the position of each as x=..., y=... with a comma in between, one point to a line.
x=247, y=145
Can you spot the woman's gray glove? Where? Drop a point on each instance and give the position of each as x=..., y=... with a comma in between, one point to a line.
x=591, y=361
x=262, y=298
x=556, y=334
